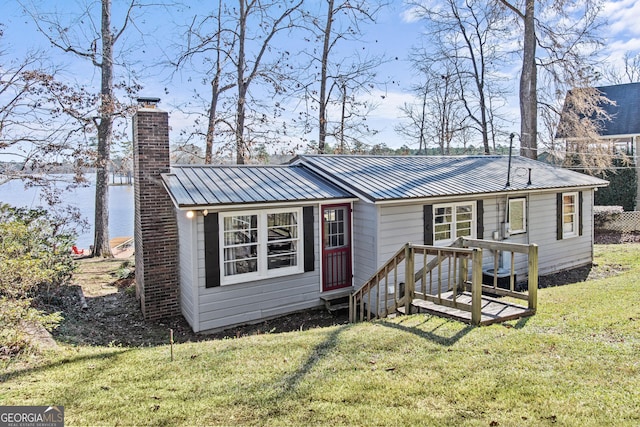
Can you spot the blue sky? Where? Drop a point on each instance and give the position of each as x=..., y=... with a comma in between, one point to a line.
x=394, y=34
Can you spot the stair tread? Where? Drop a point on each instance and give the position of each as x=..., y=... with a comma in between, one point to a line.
x=336, y=307
x=337, y=294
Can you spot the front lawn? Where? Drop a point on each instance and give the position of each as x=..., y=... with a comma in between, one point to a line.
x=576, y=363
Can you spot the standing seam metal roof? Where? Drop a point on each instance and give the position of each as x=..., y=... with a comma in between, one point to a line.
x=208, y=185
x=380, y=178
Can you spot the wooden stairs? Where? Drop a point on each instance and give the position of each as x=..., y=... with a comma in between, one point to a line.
x=449, y=284
x=337, y=300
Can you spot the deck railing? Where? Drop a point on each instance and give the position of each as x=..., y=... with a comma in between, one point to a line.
x=372, y=288
x=530, y=293
x=455, y=269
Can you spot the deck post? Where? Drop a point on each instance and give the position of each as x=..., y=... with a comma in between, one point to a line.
x=476, y=286
x=533, y=277
x=352, y=314
x=409, y=278
x=464, y=272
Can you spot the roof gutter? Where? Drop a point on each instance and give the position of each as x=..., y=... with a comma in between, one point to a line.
x=260, y=205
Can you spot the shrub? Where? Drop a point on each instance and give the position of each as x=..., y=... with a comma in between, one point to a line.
x=602, y=215
x=622, y=186
x=35, y=251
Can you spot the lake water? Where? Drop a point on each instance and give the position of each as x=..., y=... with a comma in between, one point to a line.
x=121, y=206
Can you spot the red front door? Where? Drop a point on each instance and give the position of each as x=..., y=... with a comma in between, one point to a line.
x=336, y=247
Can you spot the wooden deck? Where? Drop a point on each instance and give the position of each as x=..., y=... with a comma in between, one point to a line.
x=494, y=310
x=122, y=247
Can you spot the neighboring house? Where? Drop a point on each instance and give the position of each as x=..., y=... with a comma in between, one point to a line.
x=622, y=131
x=254, y=242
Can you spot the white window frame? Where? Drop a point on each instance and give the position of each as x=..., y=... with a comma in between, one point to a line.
x=523, y=201
x=454, y=236
x=574, y=216
x=263, y=271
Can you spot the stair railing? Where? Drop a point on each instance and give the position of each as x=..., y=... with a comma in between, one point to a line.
x=385, y=292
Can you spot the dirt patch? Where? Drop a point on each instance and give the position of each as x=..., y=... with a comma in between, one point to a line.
x=112, y=315
x=610, y=237
x=593, y=271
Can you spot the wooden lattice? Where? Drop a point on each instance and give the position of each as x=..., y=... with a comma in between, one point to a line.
x=625, y=222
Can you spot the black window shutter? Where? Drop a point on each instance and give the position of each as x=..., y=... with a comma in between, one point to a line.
x=309, y=249
x=428, y=224
x=480, y=219
x=580, y=209
x=559, y=216
x=212, y=250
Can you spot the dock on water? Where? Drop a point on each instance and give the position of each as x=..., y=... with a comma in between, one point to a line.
x=122, y=247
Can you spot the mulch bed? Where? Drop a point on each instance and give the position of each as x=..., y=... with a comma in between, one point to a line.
x=116, y=319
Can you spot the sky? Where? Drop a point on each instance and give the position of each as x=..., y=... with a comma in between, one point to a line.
x=395, y=32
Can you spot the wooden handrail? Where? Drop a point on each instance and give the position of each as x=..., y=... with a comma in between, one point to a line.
x=461, y=251
x=383, y=272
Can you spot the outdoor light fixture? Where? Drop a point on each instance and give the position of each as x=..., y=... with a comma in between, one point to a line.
x=190, y=214
x=205, y=212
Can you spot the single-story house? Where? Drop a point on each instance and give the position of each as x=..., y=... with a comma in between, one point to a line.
x=254, y=242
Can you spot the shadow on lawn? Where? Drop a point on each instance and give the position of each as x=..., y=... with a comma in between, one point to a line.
x=322, y=350
x=319, y=352
x=29, y=370
x=432, y=334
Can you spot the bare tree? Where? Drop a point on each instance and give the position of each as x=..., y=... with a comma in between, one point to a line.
x=629, y=72
x=466, y=35
x=341, y=80
x=439, y=114
x=207, y=36
x=43, y=121
x=417, y=116
x=85, y=38
x=566, y=31
x=236, y=43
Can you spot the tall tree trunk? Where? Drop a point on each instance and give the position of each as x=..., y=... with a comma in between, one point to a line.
x=211, y=127
x=343, y=117
x=242, y=87
x=423, y=126
x=215, y=93
x=322, y=136
x=101, y=245
x=528, y=87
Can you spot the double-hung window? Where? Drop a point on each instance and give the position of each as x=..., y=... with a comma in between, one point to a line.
x=570, y=215
x=517, y=216
x=453, y=220
x=260, y=244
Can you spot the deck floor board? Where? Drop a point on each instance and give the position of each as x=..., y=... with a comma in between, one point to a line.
x=493, y=310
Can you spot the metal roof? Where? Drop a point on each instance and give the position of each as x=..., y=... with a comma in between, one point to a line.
x=207, y=185
x=380, y=178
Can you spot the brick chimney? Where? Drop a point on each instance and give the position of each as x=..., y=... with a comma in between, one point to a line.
x=155, y=230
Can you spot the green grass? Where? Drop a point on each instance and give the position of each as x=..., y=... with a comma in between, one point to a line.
x=576, y=363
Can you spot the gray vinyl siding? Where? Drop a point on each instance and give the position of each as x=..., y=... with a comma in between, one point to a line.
x=398, y=225
x=365, y=241
x=557, y=255
x=494, y=216
x=254, y=301
x=187, y=245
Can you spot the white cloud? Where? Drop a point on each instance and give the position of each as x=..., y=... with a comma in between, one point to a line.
x=622, y=17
